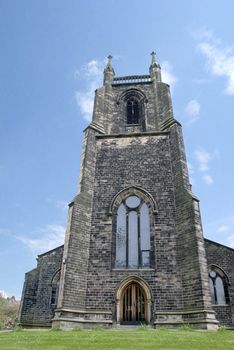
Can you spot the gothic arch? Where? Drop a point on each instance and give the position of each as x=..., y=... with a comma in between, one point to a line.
x=132, y=107
x=219, y=285
x=55, y=275
x=133, y=190
x=138, y=94
x=55, y=282
x=218, y=268
x=120, y=292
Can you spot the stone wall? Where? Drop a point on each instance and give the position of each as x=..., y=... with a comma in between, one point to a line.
x=36, y=306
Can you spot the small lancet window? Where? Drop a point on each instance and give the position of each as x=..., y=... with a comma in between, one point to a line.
x=132, y=111
x=218, y=287
x=133, y=234
x=55, y=289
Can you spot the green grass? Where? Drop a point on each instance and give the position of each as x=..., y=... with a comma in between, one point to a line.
x=143, y=339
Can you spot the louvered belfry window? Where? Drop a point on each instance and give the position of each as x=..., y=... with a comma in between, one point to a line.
x=132, y=111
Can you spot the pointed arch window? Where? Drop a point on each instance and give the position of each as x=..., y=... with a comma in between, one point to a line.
x=132, y=111
x=133, y=234
x=55, y=289
x=218, y=286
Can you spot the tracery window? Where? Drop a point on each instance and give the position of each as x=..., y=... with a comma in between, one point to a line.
x=133, y=234
x=132, y=111
x=218, y=286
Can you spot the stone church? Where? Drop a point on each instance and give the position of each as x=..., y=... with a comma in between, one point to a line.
x=134, y=251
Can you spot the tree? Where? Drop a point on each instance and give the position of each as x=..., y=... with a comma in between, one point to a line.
x=9, y=308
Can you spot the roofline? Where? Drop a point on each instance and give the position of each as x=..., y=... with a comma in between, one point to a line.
x=225, y=246
x=49, y=251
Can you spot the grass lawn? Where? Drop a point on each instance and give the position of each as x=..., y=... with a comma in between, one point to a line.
x=143, y=339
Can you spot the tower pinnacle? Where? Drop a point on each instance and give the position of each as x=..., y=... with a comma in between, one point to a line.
x=153, y=54
x=109, y=71
x=155, y=69
x=109, y=62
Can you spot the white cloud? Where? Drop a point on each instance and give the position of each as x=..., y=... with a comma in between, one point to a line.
x=85, y=102
x=193, y=110
x=92, y=73
x=50, y=237
x=91, y=70
x=220, y=58
x=94, y=69
x=167, y=76
x=222, y=228
x=203, y=158
x=208, y=179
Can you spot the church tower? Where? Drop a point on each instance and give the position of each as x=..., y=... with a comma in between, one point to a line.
x=134, y=249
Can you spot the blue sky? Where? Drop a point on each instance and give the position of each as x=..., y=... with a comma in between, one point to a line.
x=52, y=58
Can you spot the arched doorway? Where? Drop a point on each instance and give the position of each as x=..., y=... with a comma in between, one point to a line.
x=133, y=302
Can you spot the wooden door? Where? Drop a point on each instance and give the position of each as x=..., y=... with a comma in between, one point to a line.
x=133, y=305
